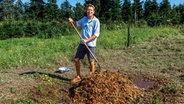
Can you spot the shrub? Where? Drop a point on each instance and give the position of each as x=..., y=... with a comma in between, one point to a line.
x=17, y=29
x=32, y=28
x=55, y=29
x=142, y=23
x=12, y=29
x=154, y=20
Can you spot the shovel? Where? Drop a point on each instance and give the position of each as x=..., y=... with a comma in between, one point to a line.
x=86, y=45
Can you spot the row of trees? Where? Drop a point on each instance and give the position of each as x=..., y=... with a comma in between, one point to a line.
x=150, y=11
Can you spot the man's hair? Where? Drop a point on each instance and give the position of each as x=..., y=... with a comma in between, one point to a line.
x=90, y=5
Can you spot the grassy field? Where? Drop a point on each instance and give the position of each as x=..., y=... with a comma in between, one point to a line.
x=156, y=55
x=49, y=52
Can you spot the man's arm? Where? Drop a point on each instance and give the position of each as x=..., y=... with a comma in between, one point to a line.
x=89, y=39
x=72, y=21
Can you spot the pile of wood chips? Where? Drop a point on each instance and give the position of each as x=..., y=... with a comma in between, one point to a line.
x=105, y=87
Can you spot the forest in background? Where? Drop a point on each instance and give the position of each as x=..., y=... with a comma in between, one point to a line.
x=47, y=19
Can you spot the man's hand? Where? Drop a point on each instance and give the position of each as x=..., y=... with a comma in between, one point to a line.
x=84, y=41
x=70, y=20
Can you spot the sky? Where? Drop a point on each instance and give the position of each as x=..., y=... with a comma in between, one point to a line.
x=73, y=2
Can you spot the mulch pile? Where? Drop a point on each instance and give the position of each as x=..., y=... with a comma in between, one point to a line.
x=105, y=87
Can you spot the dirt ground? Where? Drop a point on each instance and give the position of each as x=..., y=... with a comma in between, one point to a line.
x=142, y=74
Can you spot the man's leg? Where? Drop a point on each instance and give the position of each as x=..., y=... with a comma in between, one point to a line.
x=91, y=60
x=79, y=55
x=92, y=67
x=77, y=66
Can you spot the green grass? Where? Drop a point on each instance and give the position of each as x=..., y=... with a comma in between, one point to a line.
x=35, y=51
x=117, y=39
x=47, y=52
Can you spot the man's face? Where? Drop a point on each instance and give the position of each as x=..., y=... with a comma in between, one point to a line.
x=90, y=11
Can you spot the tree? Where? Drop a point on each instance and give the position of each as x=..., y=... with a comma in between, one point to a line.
x=175, y=17
x=150, y=7
x=105, y=13
x=154, y=6
x=36, y=9
x=115, y=10
x=66, y=10
x=165, y=8
x=138, y=10
x=154, y=20
x=19, y=6
x=7, y=9
x=79, y=11
x=147, y=9
x=180, y=10
x=52, y=1
x=165, y=11
x=51, y=10
x=126, y=11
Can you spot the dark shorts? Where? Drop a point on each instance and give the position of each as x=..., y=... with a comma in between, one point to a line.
x=82, y=51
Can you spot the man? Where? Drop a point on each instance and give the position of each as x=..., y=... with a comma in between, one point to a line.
x=90, y=31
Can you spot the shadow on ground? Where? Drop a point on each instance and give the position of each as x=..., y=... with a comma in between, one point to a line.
x=50, y=75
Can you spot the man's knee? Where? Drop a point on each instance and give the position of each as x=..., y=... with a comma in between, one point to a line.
x=76, y=60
